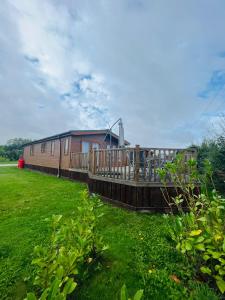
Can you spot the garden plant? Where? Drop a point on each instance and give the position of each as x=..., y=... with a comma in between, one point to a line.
x=199, y=226
x=74, y=246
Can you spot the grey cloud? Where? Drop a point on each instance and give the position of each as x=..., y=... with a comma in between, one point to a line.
x=144, y=61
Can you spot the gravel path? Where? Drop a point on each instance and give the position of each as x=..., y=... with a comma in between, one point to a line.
x=8, y=165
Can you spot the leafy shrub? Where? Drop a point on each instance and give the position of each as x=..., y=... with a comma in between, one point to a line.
x=199, y=234
x=214, y=151
x=74, y=244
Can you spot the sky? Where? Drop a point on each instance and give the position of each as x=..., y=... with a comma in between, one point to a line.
x=79, y=64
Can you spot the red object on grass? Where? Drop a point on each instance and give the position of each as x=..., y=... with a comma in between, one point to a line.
x=21, y=163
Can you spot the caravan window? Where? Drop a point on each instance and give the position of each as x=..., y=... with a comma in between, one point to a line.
x=95, y=146
x=85, y=147
x=52, y=147
x=43, y=147
x=66, y=146
x=31, y=150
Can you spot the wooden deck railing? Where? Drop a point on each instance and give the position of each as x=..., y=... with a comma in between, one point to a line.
x=79, y=161
x=129, y=164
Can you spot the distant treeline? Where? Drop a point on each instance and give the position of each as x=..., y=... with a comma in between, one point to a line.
x=13, y=149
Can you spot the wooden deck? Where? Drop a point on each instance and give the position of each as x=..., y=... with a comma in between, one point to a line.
x=128, y=176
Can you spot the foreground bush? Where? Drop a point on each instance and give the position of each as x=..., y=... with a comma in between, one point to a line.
x=74, y=245
x=199, y=234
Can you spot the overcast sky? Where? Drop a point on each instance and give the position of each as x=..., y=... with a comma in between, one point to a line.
x=76, y=64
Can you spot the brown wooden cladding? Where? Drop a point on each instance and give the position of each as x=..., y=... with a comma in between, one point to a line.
x=34, y=155
x=76, y=143
x=48, y=159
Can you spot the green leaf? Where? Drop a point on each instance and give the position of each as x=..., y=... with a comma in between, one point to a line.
x=195, y=232
x=217, y=267
x=202, y=219
x=178, y=246
x=31, y=296
x=206, y=257
x=216, y=255
x=105, y=247
x=205, y=270
x=200, y=247
x=69, y=287
x=221, y=272
x=221, y=285
x=224, y=245
x=60, y=272
x=44, y=295
x=199, y=239
x=221, y=207
x=138, y=295
x=188, y=245
x=222, y=260
x=54, y=288
x=123, y=293
x=100, y=215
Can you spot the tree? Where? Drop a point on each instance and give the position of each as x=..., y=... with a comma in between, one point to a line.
x=13, y=148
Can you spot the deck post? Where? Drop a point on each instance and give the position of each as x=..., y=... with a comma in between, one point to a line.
x=70, y=163
x=136, y=163
x=90, y=159
x=94, y=161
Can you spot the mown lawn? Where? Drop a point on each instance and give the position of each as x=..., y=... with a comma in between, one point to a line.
x=140, y=253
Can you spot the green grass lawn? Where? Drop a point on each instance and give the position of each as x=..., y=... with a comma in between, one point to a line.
x=140, y=253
